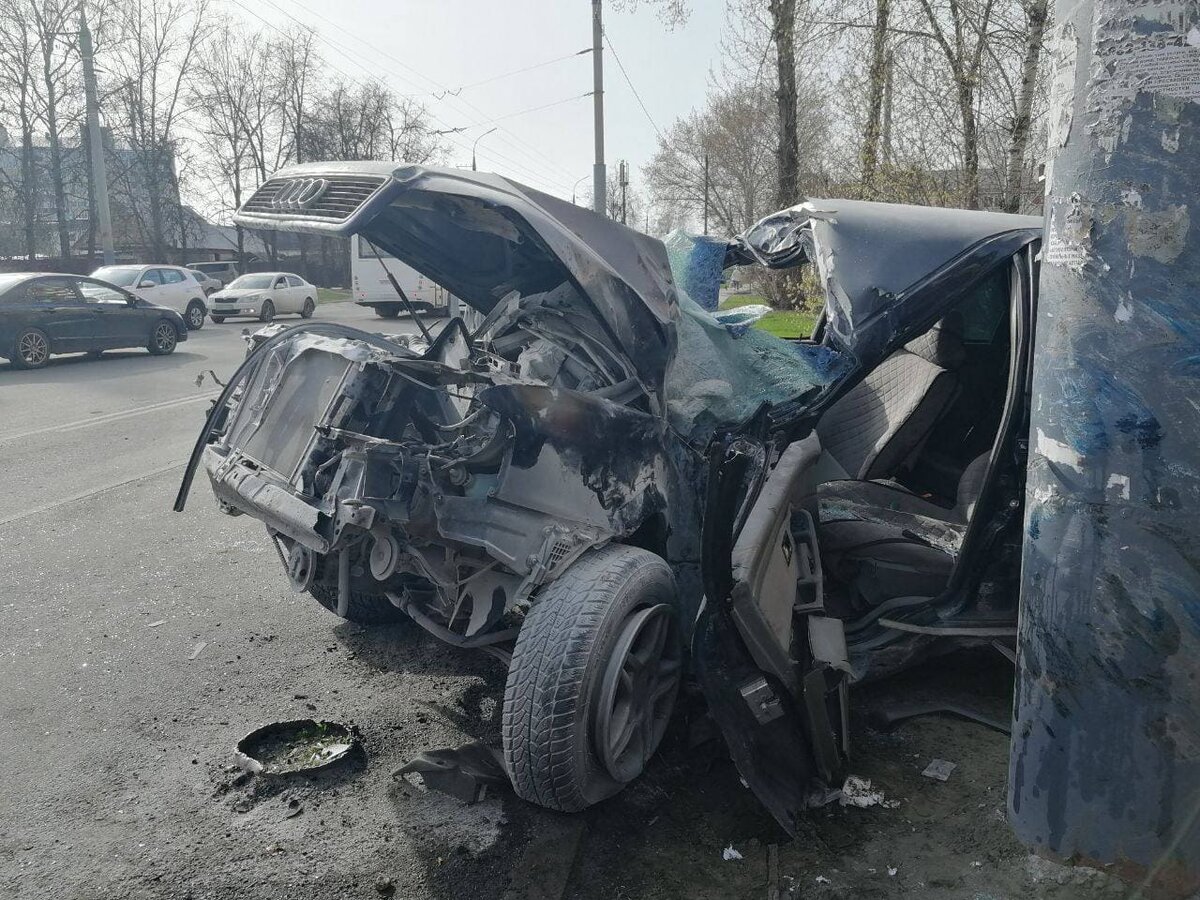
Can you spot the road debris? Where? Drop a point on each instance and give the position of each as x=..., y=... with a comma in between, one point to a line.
x=301, y=745
x=857, y=791
x=892, y=870
x=729, y=853
x=198, y=649
x=821, y=879
x=157, y=623
x=940, y=769
x=463, y=772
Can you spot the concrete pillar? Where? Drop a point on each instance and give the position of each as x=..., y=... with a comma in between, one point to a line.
x=1106, y=745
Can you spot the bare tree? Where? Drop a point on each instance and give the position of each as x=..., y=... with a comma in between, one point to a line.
x=157, y=43
x=17, y=64
x=1036, y=14
x=783, y=33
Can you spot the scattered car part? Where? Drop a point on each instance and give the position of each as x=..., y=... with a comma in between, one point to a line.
x=461, y=772
x=295, y=746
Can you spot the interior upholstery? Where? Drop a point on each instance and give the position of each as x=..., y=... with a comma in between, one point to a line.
x=881, y=424
x=902, y=543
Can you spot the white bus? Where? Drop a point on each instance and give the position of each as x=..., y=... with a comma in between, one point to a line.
x=371, y=287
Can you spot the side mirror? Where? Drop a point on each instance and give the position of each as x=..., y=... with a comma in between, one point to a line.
x=145, y=283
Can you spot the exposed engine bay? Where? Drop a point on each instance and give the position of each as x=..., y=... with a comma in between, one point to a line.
x=451, y=478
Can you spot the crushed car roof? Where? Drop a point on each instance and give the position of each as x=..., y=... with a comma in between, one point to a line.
x=886, y=268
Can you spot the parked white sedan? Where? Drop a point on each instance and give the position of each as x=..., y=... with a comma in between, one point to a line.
x=264, y=295
x=174, y=287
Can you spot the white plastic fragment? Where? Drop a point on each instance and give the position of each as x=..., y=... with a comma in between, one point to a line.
x=729, y=853
x=939, y=769
x=892, y=870
x=857, y=791
x=199, y=648
x=821, y=879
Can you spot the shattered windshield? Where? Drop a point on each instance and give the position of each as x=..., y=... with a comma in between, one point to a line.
x=725, y=369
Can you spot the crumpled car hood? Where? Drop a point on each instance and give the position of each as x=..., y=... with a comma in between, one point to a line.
x=482, y=237
x=886, y=267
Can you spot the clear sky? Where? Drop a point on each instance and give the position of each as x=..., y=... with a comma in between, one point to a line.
x=424, y=47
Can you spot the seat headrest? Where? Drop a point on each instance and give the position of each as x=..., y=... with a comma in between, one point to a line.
x=942, y=344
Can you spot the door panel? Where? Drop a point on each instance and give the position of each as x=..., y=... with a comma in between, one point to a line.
x=176, y=293
x=118, y=321
x=57, y=309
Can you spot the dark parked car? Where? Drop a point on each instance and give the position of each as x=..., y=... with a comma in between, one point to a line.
x=41, y=315
x=602, y=473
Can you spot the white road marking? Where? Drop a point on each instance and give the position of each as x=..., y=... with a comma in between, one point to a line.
x=110, y=417
x=84, y=495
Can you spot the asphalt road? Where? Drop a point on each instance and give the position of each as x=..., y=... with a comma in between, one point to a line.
x=137, y=646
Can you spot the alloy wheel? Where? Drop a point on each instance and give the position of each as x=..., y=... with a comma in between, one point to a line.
x=164, y=337
x=638, y=691
x=33, y=348
x=195, y=317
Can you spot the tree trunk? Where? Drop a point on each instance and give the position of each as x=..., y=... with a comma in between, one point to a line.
x=28, y=188
x=783, y=19
x=875, y=92
x=966, y=108
x=1035, y=14
x=56, y=165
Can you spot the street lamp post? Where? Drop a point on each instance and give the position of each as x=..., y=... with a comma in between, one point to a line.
x=476, y=144
x=576, y=185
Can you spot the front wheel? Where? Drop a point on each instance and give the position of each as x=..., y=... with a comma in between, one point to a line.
x=267, y=313
x=309, y=308
x=163, y=338
x=31, y=349
x=593, y=679
x=194, y=317
x=217, y=320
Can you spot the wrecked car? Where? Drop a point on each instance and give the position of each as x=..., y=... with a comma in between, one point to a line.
x=606, y=487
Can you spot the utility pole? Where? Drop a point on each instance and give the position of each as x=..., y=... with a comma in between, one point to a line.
x=1107, y=714
x=624, y=176
x=96, y=143
x=705, y=229
x=599, y=185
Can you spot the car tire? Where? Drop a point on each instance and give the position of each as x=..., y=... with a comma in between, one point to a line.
x=568, y=671
x=366, y=607
x=267, y=312
x=30, y=350
x=387, y=312
x=310, y=307
x=217, y=320
x=163, y=338
x=193, y=316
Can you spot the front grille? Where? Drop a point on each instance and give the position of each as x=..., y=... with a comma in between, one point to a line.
x=341, y=196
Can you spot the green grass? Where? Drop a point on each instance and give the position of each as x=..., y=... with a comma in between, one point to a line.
x=781, y=323
x=332, y=295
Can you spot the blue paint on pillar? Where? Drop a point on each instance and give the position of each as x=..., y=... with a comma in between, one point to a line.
x=1106, y=744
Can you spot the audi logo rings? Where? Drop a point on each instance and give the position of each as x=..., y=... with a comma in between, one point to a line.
x=298, y=193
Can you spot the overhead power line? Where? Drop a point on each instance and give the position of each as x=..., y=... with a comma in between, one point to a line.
x=438, y=95
x=521, y=112
x=629, y=81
